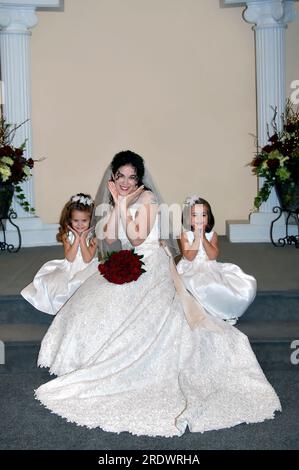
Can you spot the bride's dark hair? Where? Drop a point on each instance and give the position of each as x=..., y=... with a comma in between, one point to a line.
x=127, y=157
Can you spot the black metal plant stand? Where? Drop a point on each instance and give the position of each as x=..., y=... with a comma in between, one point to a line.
x=3, y=244
x=287, y=239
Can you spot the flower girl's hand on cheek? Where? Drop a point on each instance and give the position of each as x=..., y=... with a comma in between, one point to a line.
x=203, y=231
x=196, y=230
x=77, y=234
x=200, y=230
x=84, y=234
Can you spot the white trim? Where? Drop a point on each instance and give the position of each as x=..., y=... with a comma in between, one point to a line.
x=33, y=232
x=31, y=3
x=242, y=231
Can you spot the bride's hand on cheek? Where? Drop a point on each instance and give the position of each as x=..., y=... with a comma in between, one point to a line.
x=113, y=192
x=131, y=198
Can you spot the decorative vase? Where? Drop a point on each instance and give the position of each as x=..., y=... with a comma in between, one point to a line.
x=288, y=196
x=6, y=195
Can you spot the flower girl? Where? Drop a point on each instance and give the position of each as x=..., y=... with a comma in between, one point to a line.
x=57, y=280
x=223, y=289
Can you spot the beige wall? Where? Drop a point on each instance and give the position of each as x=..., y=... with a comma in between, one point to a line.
x=170, y=79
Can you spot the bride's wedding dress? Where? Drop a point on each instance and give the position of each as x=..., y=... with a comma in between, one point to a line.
x=127, y=359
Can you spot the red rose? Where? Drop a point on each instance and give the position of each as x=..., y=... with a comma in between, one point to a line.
x=273, y=164
x=290, y=127
x=30, y=163
x=6, y=151
x=273, y=138
x=268, y=148
x=19, y=152
x=122, y=266
x=257, y=161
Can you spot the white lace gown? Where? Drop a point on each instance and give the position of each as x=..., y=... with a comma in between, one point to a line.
x=223, y=289
x=127, y=359
x=57, y=280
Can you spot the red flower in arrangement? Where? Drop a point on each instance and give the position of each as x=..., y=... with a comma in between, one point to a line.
x=278, y=161
x=122, y=266
x=14, y=167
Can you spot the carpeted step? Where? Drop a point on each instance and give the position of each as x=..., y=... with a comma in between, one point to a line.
x=272, y=346
x=271, y=330
x=267, y=306
x=271, y=323
x=274, y=305
x=21, y=357
x=15, y=309
x=274, y=355
x=22, y=333
x=21, y=346
x=257, y=332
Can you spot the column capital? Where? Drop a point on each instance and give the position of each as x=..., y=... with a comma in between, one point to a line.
x=267, y=13
x=270, y=13
x=17, y=19
x=18, y=16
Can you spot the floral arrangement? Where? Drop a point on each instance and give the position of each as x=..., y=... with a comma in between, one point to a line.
x=278, y=161
x=122, y=266
x=14, y=167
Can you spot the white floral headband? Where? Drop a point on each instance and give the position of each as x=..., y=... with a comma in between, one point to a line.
x=191, y=200
x=87, y=201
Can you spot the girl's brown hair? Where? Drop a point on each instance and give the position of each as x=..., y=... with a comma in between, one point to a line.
x=186, y=217
x=82, y=202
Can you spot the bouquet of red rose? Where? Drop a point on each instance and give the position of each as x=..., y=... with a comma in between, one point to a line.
x=122, y=266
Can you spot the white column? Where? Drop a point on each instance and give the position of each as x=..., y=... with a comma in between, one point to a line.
x=17, y=17
x=16, y=78
x=270, y=19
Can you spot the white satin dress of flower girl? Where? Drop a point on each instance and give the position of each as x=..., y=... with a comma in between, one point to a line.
x=127, y=359
x=223, y=289
x=57, y=280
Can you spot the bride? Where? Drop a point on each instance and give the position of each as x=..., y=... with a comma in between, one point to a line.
x=126, y=356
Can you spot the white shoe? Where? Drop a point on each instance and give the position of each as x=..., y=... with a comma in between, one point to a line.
x=231, y=321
